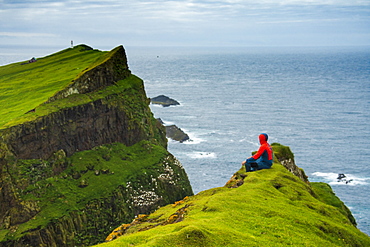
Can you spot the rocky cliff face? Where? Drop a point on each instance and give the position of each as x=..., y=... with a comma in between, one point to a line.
x=70, y=175
x=285, y=156
x=111, y=69
x=74, y=129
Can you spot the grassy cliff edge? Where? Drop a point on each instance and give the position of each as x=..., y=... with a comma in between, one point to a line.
x=80, y=150
x=270, y=207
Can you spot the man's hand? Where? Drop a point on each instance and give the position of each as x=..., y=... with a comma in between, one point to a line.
x=243, y=163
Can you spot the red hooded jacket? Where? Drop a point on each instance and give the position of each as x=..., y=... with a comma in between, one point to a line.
x=265, y=149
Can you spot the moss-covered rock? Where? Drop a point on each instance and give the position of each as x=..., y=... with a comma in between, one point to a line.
x=284, y=155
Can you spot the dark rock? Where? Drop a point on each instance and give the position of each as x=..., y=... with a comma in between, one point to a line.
x=105, y=171
x=164, y=101
x=83, y=183
x=175, y=133
x=76, y=175
x=32, y=60
x=90, y=167
x=107, y=157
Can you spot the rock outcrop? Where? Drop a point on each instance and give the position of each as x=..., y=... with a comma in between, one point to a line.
x=86, y=159
x=164, y=101
x=112, y=68
x=175, y=133
x=284, y=155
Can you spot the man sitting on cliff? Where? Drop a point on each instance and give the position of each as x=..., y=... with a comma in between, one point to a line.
x=262, y=159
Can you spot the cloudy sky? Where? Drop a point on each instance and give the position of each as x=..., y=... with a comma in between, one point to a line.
x=185, y=22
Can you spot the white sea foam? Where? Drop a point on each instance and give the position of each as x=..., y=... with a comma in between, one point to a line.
x=167, y=123
x=249, y=141
x=350, y=179
x=193, y=138
x=161, y=106
x=202, y=155
x=155, y=105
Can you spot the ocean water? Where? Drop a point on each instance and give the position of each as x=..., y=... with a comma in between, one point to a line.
x=316, y=100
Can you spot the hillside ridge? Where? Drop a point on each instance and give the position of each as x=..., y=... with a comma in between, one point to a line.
x=271, y=207
x=82, y=141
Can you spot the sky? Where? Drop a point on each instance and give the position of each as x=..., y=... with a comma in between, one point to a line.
x=185, y=22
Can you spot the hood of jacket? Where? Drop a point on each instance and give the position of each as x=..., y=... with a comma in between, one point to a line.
x=263, y=137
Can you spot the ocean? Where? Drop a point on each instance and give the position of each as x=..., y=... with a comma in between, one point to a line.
x=316, y=100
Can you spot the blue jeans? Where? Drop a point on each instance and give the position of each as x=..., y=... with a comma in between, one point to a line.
x=259, y=164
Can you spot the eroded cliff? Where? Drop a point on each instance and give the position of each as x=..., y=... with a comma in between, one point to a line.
x=86, y=158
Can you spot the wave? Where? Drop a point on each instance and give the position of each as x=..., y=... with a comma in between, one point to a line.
x=248, y=140
x=349, y=179
x=167, y=123
x=193, y=138
x=202, y=155
x=156, y=105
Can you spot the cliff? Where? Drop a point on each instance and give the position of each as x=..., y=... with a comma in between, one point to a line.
x=80, y=150
x=273, y=207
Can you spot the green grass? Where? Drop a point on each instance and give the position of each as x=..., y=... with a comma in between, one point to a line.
x=271, y=208
x=60, y=194
x=24, y=87
x=56, y=189
x=130, y=83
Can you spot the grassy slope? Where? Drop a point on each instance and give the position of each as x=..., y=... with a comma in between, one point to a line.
x=24, y=87
x=61, y=194
x=130, y=83
x=271, y=208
